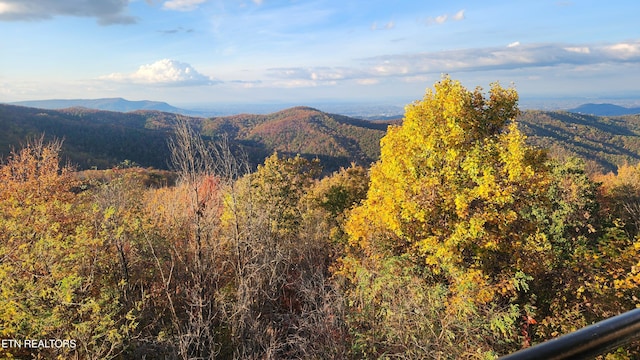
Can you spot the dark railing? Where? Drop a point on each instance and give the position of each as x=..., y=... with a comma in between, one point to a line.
x=588, y=342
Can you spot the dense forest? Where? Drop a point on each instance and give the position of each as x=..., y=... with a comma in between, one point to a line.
x=461, y=241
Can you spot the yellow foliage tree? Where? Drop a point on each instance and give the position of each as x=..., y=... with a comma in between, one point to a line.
x=448, y=212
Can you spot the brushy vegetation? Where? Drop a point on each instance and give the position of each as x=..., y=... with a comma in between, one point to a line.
x=461, y=242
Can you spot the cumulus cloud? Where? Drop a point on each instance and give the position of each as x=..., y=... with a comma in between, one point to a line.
x=106, y=12
x=163, y=72
x=182, y=5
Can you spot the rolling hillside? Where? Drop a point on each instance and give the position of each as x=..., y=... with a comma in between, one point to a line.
x=336, y=140
x=603, y=142
x=103, y=139
x=91, y=138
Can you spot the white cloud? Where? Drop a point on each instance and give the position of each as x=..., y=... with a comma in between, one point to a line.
x=314, y=74
x=163, y=72
x=511, y=57
x=414, y=67
x=105, y=11
x=458, y=16
x=7, y=8
x=182, y=5
x=624, y=51
x=579, y=49
x=298, y=77
x=441, y=19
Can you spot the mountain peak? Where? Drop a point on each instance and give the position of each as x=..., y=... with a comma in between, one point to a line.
x=305, y=108
x=299, y=109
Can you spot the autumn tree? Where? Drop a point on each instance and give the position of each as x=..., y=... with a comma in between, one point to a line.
x=603, y=278
x=620, y=198
x=278, y=185
x=53, y=258
x=118, y=199
x=326, y=206
x=448, y=225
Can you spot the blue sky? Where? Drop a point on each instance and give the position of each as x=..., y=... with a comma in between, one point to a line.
x=188, y=52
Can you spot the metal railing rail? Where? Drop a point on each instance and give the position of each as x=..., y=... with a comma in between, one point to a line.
x=588, y=342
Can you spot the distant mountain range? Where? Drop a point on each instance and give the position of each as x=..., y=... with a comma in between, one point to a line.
x=358, y=110
x=108, y=104
x=605, y=110
x=123, y=105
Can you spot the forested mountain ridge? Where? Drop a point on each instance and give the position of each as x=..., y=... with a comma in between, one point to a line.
x=92, y=138
x=102, y=139
x=604, y=143
x=306, y=131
